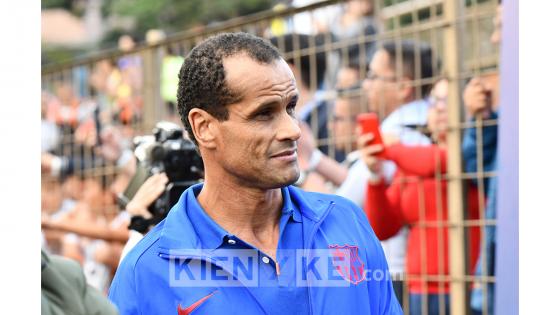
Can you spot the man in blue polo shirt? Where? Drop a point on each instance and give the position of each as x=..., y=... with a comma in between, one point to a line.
x=245, y=241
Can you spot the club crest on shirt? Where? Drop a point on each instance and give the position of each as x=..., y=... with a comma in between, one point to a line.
x=351, y=268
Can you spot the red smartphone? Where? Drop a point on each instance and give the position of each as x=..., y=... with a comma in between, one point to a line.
x=369, y=122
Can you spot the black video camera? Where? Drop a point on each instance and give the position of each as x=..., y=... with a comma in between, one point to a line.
x=169, y=152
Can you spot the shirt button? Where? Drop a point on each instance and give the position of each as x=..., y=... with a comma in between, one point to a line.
x=232, y=242
x=265, y=260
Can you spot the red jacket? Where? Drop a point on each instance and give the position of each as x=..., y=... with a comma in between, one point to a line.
x=412, y=199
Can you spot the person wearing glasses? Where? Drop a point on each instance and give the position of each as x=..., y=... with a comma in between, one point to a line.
x=417, y=198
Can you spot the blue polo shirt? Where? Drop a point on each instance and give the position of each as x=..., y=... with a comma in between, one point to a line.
x=154, y=278
x=277, y=279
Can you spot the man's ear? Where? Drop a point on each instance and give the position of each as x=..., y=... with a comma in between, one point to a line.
x=202, y=126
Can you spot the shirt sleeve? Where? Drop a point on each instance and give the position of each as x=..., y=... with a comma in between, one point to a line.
x=427, y=161
x=380, y=285
x=383, y=208
x=354, y=186
x=489, y=146
x=123, y=289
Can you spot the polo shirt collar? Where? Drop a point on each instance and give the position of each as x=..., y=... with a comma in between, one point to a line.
x=179, y=232
x=288, y=206
x=211, y=235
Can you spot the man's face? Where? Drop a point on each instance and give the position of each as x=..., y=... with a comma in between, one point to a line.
x=347, y=77
x=51, y=196
x=381, y=85
x=437, y=113
x=257, y=143
x=343, y=123
x=93, y=194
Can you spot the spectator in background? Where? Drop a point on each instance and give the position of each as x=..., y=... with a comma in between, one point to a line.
x=128, y=90
x=481, y=99
x=312, y=22
x=312, y=106
x=348, y=76
x=64, y=289
x=63, y=109
x=403, y=112
x=170, y=67
x=169, y=73
x=90, y=232
x=356, y=20
x=343, y=122
x=318, y=170
x=50, y=134
x=406, y=114
x=416, y=198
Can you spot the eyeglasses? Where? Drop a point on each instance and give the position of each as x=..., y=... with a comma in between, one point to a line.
x=434, y=100
x=372, y=76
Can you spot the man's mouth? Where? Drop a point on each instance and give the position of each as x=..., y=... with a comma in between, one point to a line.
x=287, y=155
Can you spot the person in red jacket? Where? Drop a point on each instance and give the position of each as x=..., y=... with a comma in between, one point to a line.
x=417, y=197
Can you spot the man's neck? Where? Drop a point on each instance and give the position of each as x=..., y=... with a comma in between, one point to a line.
x=392, y=109
x=249, y=213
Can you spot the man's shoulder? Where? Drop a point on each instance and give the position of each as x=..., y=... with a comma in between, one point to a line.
x=312, y=196
x=316, y=201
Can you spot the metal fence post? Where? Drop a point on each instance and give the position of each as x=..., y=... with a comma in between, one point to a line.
x=150, y=89
x=451, y=11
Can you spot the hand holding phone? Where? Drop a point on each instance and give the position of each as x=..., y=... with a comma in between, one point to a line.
x=369, y=123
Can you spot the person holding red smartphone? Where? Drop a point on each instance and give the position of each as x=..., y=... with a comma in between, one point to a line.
x=417, y=197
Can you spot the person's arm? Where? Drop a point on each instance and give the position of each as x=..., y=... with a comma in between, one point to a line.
x=478, y=106
x=312, y=159
x=315, y=183
x=423, y=161
x=86, y=229
x=123, y=289
x=489, y=147
x=331, y=170
x=380, y=285
x=383, y=209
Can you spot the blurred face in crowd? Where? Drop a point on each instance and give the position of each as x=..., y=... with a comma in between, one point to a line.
x=383, y=91
x=95, y=196
x=65, y=94
x=256, y=145
x=347, y=77
x=126, y=43
x=72, y=187
x=343, y=122
x=51, y=195
x=93, y=193
x=360, y=7
x=497, y=34
x=437, y=113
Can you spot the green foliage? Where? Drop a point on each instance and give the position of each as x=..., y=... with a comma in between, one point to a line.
x=50, y=4
x=73, y=6
x=178, y=15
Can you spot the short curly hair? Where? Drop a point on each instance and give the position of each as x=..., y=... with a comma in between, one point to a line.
x=202, y=79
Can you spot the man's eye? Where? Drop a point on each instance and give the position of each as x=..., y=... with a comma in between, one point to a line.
x=264, y=114
x=291, y=109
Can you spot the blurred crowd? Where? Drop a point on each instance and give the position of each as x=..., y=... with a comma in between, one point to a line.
x=88, y=125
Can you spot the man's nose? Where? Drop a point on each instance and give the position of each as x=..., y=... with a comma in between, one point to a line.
x=289, y=129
